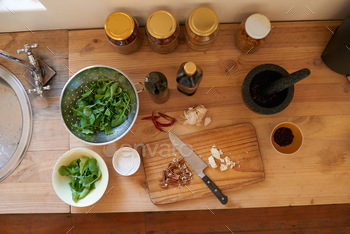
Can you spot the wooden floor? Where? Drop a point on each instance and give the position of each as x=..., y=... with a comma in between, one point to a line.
x=310, y=219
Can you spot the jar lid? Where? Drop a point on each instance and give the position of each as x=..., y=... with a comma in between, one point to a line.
x=203, y=21
x=190, y=68
x=119, y=25
x=161, y=24
x=257, y=26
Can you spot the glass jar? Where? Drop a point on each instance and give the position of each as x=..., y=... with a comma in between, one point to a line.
x=157, y=86
x=188, y=78
x=162, y=31
x=252, y=33
x=202, y=27
x=122, y=31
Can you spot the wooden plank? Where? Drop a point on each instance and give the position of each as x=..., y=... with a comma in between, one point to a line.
x=109, y=223
x=36, y=223
x=305, y=219
x=29, y=188
x=317, y=174
x=284, y=184
x=238, y=142
x=311, y=219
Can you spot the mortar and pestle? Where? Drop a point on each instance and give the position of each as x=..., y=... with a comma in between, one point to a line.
x=269, y=89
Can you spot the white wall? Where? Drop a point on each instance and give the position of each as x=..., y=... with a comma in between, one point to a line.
x=74, y=14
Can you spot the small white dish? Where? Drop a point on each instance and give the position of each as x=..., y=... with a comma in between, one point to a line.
x=60, y=183
x=126, y=161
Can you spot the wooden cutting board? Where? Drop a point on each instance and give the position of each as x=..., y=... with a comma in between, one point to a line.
x=239, y=142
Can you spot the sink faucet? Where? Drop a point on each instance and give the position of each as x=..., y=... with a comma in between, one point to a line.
x=33, y=66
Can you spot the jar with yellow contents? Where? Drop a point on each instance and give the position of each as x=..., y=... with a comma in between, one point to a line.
x=202, y=28
x=122, y=31
x=162, y=31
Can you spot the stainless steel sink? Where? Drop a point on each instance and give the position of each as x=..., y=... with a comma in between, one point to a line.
x=16, y=121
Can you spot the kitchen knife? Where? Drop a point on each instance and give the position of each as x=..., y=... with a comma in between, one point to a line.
x=197, y=164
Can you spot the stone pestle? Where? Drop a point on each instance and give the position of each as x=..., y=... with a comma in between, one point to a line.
x=284, y=82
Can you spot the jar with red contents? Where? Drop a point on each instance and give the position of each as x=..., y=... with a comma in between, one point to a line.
x=122, y=31
x=162, y=31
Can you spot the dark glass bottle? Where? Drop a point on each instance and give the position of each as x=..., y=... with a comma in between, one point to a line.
x=188, y=78
x=157, y=86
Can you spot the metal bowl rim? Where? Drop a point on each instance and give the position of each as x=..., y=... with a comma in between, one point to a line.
x=137, y=103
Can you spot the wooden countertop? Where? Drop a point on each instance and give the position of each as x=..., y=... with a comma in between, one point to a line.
x=317, y=174
x=29, y=188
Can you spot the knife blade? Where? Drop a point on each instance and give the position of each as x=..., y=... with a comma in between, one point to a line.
x=197, y=164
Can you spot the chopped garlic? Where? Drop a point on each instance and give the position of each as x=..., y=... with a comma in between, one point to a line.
x=223, y=167
x=215, y=153
x=212, y=162
x=207, y=121
x=225, y=162
x=229, y=162
x=190, y=117
x=194, y=116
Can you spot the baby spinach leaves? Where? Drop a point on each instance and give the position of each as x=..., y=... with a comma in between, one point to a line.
x=83, y=172
x=104, y=106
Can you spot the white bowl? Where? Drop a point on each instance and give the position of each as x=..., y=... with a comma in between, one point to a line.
x=60, y=183
x=126, y=161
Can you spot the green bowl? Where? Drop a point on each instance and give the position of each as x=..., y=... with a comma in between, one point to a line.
x=77, y=85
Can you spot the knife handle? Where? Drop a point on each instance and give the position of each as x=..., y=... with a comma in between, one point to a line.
x=222, y=198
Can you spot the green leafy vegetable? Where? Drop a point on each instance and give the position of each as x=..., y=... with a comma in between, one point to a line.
x=103, y=107
x=83, y=172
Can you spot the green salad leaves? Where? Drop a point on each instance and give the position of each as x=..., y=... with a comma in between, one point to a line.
x=104, y=106
x=83, y=172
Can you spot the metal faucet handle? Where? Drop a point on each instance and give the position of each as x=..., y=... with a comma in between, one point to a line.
x=47, y=87
x=39, y=91
x=36, y=90
x=27, y=48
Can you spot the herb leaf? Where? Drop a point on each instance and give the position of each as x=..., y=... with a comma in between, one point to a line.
x=83, y=172
x=103, y=107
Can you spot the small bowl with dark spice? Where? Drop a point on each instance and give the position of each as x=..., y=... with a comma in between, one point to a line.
x=287, y=138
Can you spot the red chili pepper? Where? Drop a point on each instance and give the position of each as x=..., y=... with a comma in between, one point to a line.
x=166, y=124
x=167, y=117
x=150, y=117
x=155, y=122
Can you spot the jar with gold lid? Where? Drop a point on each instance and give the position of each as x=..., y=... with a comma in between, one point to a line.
x=202, y=27
x=122, y=31
x=162, y=31
x=252, y=33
